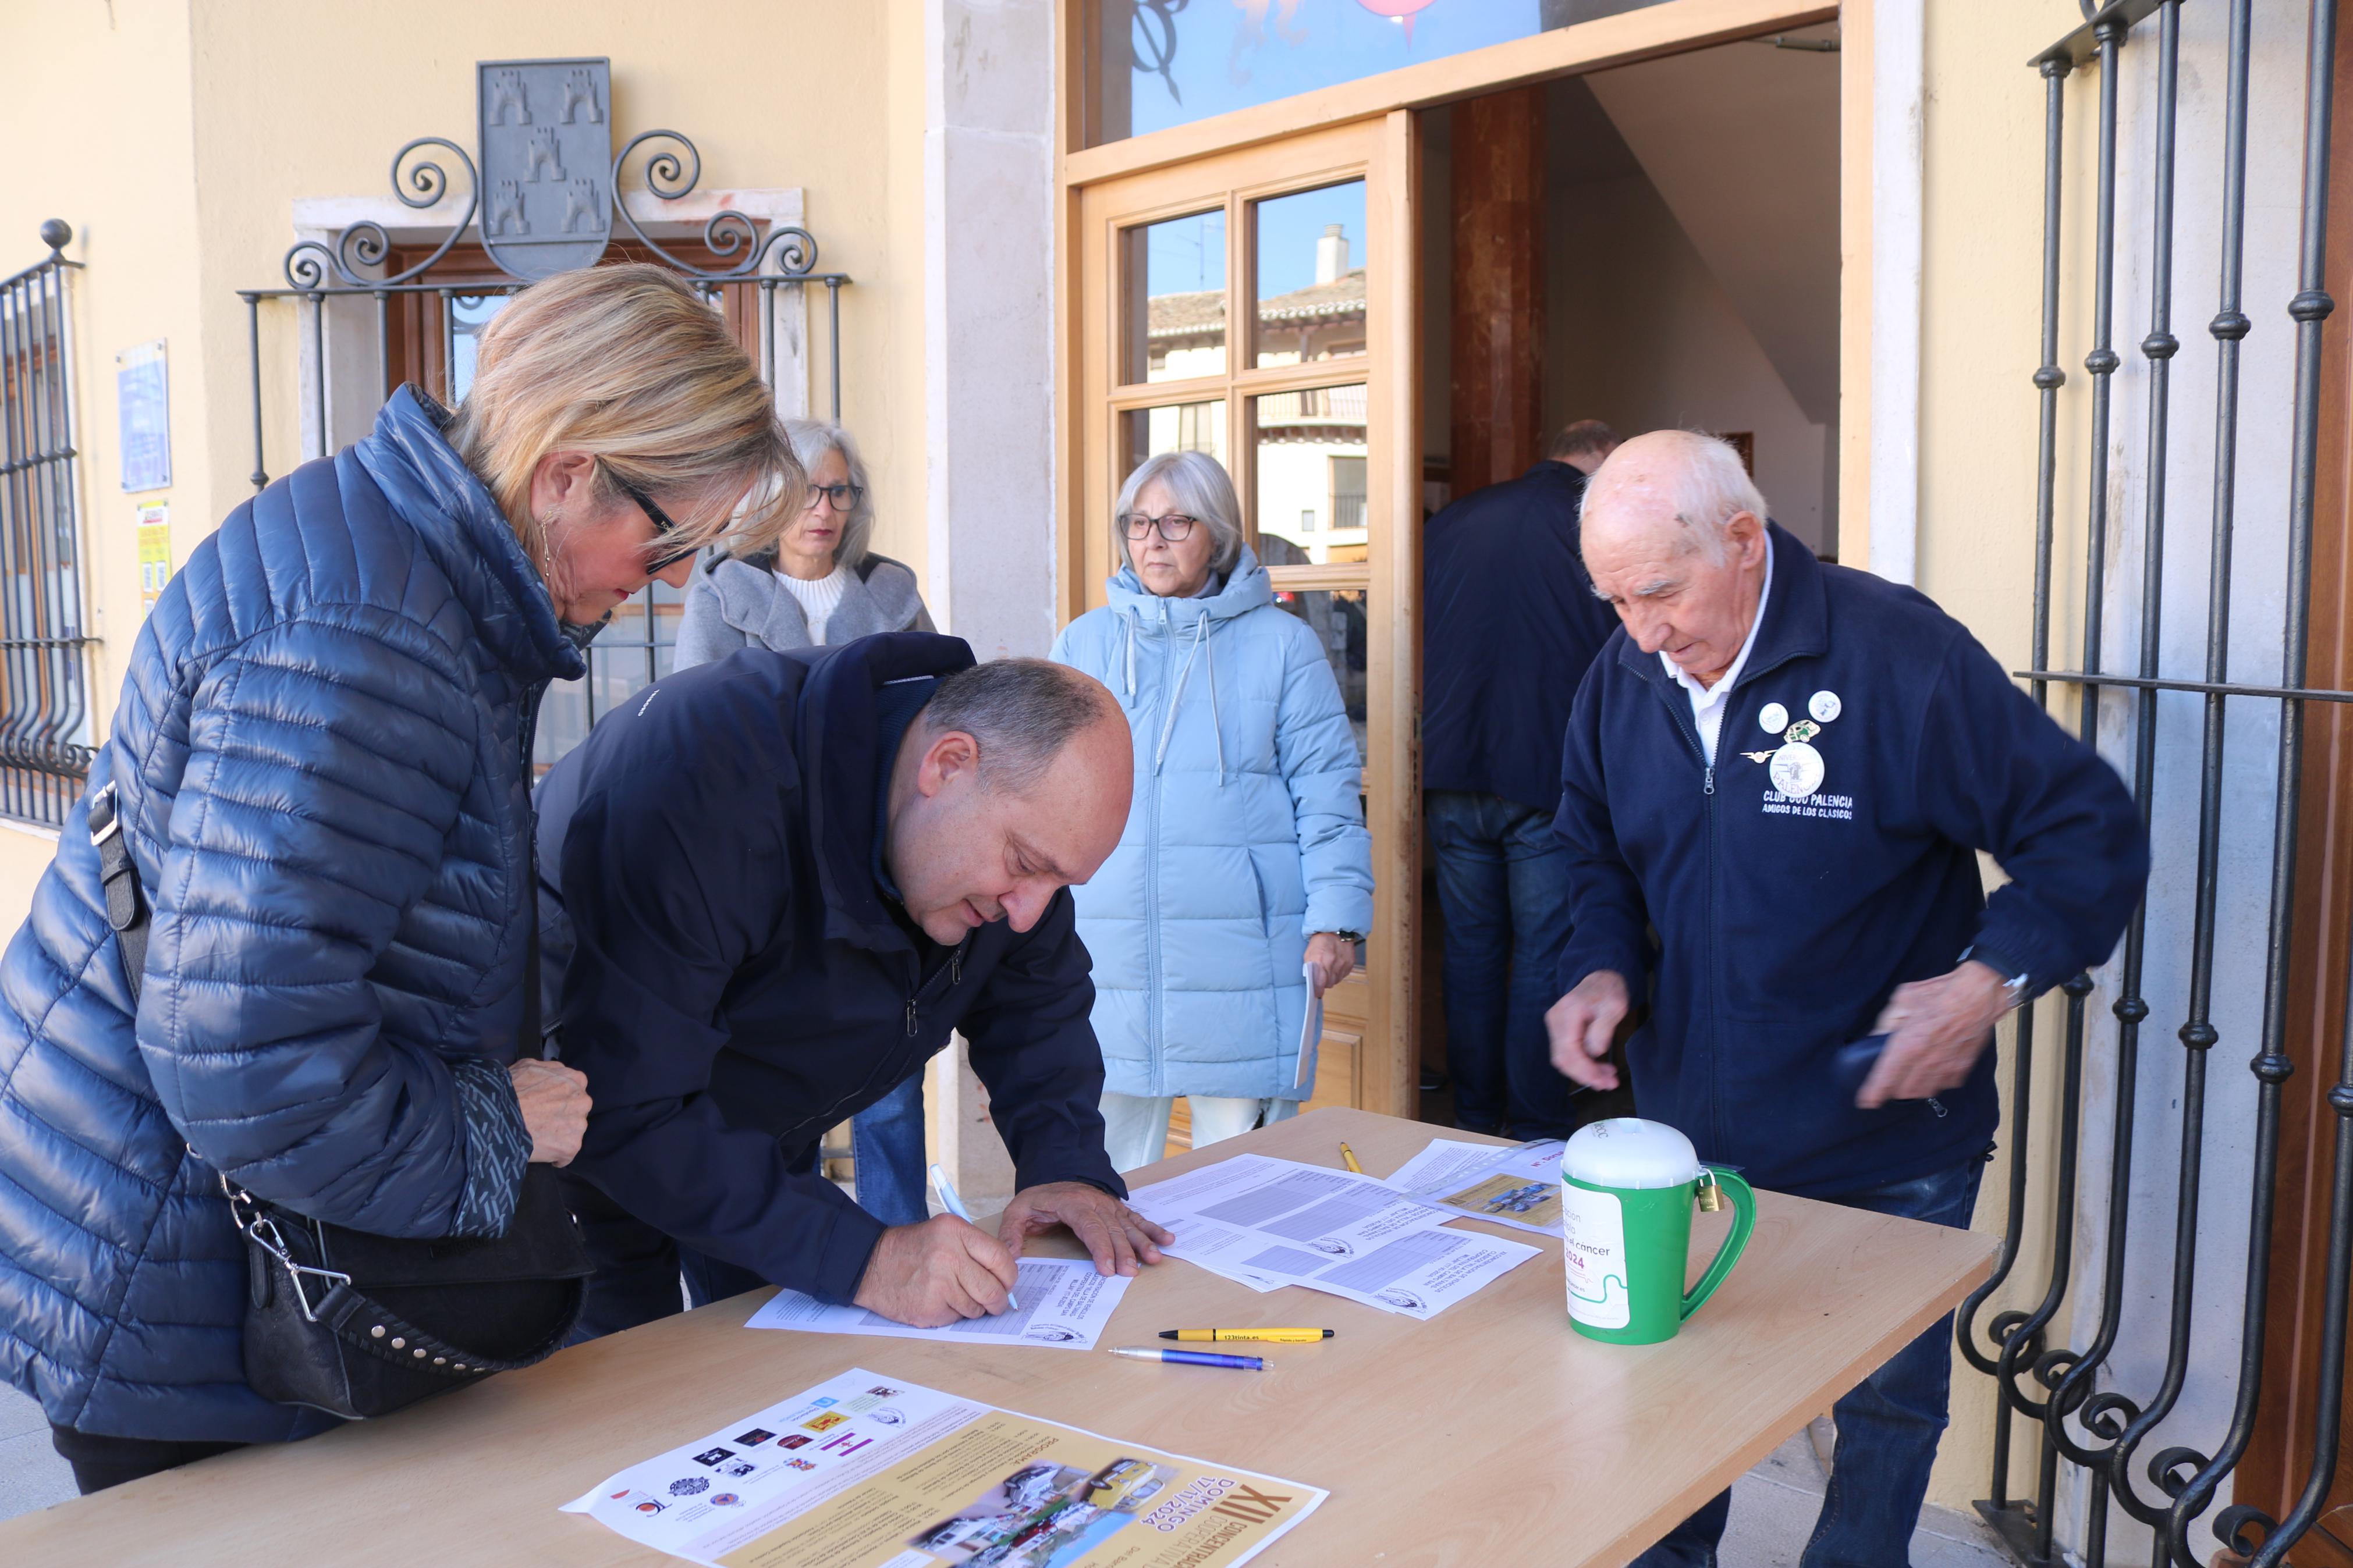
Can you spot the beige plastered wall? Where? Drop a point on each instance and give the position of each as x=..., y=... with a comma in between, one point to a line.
x=100, y=102
x=177, y=138
x=1981, y=312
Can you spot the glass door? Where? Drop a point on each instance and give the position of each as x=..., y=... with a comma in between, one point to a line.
x=1257, y=306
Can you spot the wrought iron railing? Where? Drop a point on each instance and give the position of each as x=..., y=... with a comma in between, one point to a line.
x=2095, y=1419
x=44, y=679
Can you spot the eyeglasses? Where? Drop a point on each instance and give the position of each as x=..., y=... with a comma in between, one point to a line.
x=842, y=498
x=1176, y=528
x=664, y=526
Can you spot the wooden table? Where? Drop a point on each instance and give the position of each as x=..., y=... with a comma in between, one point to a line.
x=1490, y=1435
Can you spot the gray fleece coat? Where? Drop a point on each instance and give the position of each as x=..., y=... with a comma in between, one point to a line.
x=733, y=603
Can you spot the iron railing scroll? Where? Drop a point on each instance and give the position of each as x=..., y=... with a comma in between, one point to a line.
x=45, y=749
x=2086, y=1420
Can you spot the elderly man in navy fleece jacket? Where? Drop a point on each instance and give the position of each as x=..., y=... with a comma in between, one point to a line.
x=1787, y=770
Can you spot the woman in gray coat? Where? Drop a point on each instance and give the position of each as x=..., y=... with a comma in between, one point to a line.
x=819, y=588
x=821, y=585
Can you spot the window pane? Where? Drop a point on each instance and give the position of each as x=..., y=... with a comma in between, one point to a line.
x=1338, y=620
x=1310, y=476
x=1311, y=275
x=1158, y=63
x=468, y=314
x=1171, y=428
x=1174, y=274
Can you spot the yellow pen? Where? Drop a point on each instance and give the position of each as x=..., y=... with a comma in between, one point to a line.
x=1350, y=1155
x=1273, y=1336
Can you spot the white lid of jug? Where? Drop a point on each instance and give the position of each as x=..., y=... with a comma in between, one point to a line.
x=1628, y=1151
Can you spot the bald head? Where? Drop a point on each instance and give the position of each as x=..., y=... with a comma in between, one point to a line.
x=1673, y=534
x=1677, y=482
x=1012, y=784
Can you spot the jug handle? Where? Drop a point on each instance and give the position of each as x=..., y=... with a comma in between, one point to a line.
x=1744, y=1221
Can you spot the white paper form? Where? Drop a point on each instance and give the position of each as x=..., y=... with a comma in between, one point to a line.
x=1518, y=1187
x=1265, y=1221
x=1065, y=1305
x=866, y=1472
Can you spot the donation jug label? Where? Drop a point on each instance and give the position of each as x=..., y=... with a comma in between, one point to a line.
x=1593, y=1246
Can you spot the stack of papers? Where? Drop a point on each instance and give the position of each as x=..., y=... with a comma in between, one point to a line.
x=1065, y=1305
x=1518, y=1187
x=1267, y=1223
x=866, y=1472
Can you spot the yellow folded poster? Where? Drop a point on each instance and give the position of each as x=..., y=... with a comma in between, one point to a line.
x=864, y=1471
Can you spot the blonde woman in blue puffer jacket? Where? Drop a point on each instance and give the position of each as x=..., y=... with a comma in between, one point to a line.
x=1245, y=873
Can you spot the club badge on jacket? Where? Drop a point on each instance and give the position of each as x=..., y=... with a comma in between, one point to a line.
x=1796, y=766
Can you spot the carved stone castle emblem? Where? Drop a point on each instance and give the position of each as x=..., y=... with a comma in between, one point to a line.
x=546, y=141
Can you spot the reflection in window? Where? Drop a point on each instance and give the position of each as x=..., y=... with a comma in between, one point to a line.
x=468, y=314
x=1171, y=428
x=1310, y=288
x=1337, y=618
x=1175, y=273
x=1158, y=63
x=1310, y=447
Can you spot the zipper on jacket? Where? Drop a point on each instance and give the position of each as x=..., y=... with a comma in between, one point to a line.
x=910, y=1018
x=1681, y=710
x=1154, y=999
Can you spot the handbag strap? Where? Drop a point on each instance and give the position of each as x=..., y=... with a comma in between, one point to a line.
x=126, y=906
x=362, y=1320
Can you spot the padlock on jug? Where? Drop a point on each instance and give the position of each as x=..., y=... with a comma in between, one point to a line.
x=1627, y=1190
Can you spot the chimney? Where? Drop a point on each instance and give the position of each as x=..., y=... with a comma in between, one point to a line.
x=1331, y=253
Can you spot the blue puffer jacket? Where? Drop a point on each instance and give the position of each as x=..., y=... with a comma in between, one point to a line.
x=1247, y=836
x=319, y=758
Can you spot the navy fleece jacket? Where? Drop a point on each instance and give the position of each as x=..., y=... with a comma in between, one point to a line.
x=1784, y=922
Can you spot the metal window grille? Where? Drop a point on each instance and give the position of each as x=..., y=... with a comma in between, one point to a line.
x=2087, y=1413
x=636, y=647
x=44, y=680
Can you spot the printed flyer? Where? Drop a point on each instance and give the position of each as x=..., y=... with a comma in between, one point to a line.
x=864, y=1471
x=1518, y=1187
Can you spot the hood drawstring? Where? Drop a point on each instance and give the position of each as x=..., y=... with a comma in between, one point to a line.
x=1129, y=622
x=1216, y=730
x=1201, y=646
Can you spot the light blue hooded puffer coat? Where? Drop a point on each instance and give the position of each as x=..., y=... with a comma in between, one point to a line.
x=1246, y=835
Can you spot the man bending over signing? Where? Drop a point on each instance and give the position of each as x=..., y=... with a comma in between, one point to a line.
x=772, y=886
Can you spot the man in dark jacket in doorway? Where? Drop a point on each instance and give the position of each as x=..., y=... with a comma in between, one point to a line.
x=1509, y=625
x=773, y=885
x=1787, y=770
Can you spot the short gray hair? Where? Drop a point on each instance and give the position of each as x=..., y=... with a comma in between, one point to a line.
x=1700, y=476
x=1023, y=712
x=1202, y=488
x=812, y=440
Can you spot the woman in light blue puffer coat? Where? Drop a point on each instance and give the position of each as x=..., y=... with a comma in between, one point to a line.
x=1245, y=860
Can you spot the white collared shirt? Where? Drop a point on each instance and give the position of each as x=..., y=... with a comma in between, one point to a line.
x=1708, y=701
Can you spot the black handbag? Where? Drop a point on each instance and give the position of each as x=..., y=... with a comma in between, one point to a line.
x=359, y=1325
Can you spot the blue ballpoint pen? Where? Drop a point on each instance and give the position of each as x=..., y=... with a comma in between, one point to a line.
x=1191, y=1358
x=955, y=1205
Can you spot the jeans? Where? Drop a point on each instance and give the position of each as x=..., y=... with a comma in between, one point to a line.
x=1887, y=1428
x=1136, y=1126
x=639, y=1268
x=886, y=1146
x=1503, y=887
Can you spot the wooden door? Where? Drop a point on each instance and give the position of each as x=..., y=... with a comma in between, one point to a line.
x=1257, y=305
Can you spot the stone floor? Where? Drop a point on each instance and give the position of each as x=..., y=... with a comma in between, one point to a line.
x=1773, y=1506
x=31, y=1473
x=1773, y=1510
